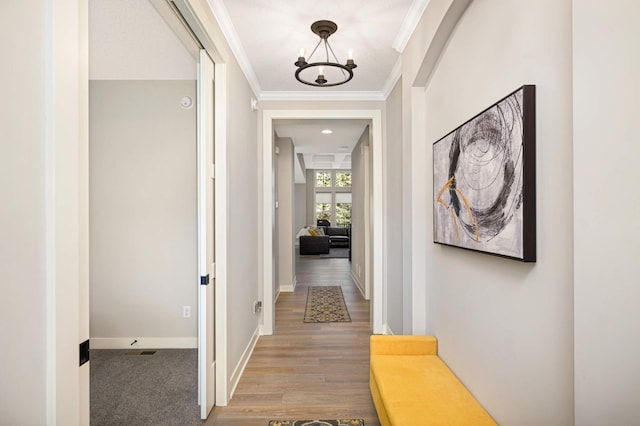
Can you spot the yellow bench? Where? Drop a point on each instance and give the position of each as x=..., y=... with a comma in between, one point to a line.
x=410, y=385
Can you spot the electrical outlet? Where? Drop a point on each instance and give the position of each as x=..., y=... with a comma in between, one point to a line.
x=257, y=306
x=186, y=312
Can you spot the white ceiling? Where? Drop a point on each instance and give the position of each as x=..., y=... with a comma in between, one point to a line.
x=129, y=41
x=322, y=151
x=266, y=36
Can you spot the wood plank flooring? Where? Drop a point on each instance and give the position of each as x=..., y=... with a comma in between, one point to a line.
x=307, y=370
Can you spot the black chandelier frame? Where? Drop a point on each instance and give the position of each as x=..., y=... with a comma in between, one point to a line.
x=324, y=29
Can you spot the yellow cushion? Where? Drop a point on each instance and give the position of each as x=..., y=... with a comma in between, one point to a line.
x=410, y=385
x=403, y=345
x=313, y=232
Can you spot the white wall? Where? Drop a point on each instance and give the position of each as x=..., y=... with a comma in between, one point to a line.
x=393, y=211
x=42, y=218
x=505, y=328
x=606, y=211
x=22, y=219
x=143, y=212
x=244, y=225
x=284, y=214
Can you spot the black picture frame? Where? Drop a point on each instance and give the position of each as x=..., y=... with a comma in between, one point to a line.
x=484, y=180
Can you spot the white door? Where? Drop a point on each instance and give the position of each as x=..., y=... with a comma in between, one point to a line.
x=206, y=254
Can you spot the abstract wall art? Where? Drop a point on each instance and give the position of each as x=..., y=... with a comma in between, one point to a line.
x=484, y=180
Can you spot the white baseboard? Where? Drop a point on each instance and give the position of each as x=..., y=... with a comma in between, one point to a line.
x=289, y=288
x=387, y=330
x=144, y=342
x=244, y=359
x=359, y=285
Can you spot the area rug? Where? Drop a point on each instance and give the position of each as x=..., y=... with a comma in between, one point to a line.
x=326, y=304
x=336, y=253
x=341, y=422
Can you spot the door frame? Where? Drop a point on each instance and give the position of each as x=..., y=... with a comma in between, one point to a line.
x=376, y=255
x=198, y=18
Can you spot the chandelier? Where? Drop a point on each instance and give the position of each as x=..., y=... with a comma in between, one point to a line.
x=329, y=73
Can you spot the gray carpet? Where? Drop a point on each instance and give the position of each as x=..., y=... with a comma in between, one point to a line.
x=137, y=390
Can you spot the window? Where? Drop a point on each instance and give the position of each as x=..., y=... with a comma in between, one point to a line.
x=333, y=197
x=343, y=208
x=323, y=206
x=323, y=179
x=343, y=179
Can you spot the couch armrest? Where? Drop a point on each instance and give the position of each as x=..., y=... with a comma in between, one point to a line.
x=403, y=345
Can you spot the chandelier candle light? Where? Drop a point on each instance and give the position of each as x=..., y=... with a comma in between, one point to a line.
x=324, y=29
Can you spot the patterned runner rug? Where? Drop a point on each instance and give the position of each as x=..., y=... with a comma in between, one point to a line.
x=344, y=422
x=326, y=304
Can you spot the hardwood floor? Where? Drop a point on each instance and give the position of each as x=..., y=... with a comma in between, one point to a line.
x=307, y=370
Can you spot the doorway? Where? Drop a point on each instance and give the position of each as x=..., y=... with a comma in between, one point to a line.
x=145, y=278
x=376, y=258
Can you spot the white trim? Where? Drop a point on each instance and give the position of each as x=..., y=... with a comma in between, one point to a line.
x=321, y=96
x=409, y=24
x=359, y=285
x=144, y=343
x=438, y=41
x=65, y=121
x=377, y=213
x=367, y=223
x=186, y=37
x=268, y=215
x=221, y=237
x=287, y=288
x=387, y=330
x=284, y=288
x=226, y=25
x=242, y=363
x=200, y=19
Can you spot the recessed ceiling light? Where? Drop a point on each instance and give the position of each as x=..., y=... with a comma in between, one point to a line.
x=327, y=131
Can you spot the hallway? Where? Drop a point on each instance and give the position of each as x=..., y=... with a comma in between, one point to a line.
x=304, y=370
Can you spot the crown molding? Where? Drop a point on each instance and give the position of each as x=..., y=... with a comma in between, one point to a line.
x=406, y=30
x=229, y=31
x=409, y=24
x=321, y=96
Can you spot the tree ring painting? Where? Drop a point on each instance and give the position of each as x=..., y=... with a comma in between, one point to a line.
x=484, y=180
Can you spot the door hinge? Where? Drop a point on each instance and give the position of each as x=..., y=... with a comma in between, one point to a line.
x=204, y=280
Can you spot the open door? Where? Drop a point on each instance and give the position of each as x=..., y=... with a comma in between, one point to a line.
x=206, y=254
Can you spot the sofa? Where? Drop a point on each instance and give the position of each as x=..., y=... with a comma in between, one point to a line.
x=338, y=237
x=314, y=244
x=410, y=385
